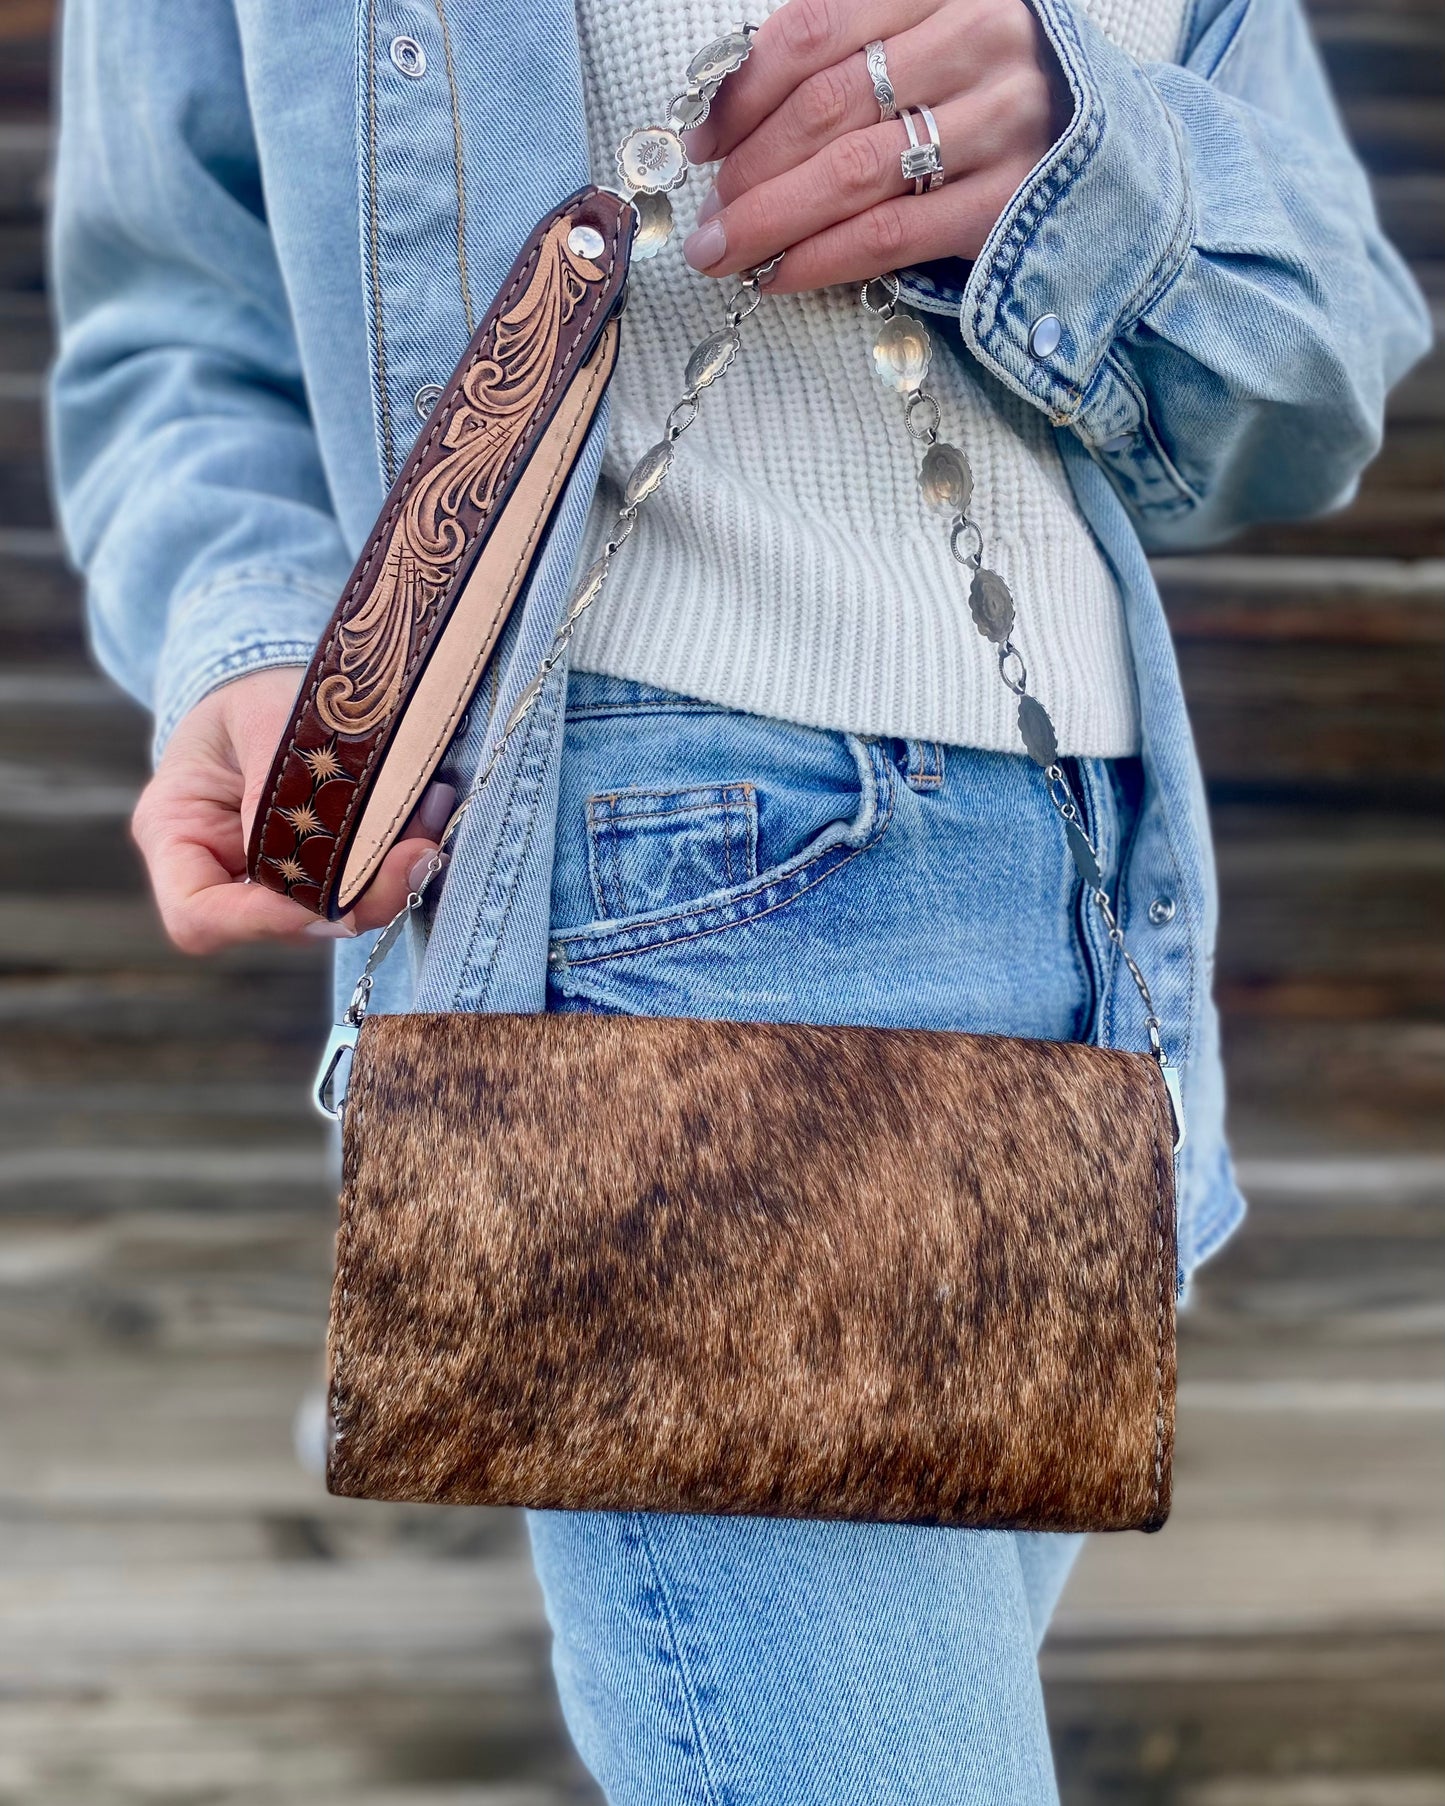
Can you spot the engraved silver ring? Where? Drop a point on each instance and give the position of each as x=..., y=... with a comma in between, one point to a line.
x=877, y=60
x=922, y=164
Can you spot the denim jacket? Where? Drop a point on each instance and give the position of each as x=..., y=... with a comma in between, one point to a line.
x=276, y=220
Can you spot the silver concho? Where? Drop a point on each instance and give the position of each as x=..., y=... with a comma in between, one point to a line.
x=652, y=159
x=1037, y=733
x=648, y=473
x=718, y=60
x=590, y=588
x=945, y=479
x=711, y=358
x=991, y=606
x=901, y=352
x=654, y=225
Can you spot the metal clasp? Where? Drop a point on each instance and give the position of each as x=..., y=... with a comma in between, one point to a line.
x=334, y=1073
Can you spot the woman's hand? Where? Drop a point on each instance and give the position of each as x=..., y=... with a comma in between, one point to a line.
x=193, y=818
x=809, y=169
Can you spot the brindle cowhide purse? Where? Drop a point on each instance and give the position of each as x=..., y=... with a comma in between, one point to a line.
x=737, y=1270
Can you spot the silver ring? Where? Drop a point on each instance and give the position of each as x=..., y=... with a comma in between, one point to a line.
x=922, y=164
x=877, y=61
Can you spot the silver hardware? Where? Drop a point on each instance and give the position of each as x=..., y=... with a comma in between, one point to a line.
x=687, y=111
x=877, y=60
x=1161, y=910
x=880, y=296
x=716, y=61
x=991, y=603
x=945, y=479
x=1036, y=730
x=902, y=350
x=922, y=416
x=334, y=1072
x=586, y=241
x=654, y=225
x=1045, y=334
x=712, y=358
x=1116, y=442
x=648, y=473
x=425, y=399
x=922, y=164
x=652, y=159
x=408, y=57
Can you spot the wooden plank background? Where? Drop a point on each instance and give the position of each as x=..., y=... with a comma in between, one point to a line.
x=186, y=1618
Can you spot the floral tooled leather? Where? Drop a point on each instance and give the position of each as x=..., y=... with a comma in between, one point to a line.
x=537, y=335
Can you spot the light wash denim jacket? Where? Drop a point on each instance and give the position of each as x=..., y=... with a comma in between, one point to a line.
x=274, y=228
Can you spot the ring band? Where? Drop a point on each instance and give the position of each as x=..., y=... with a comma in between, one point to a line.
x=922, y=164
x=877, y=62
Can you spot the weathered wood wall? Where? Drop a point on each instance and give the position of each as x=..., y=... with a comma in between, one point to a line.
x=184, y=1617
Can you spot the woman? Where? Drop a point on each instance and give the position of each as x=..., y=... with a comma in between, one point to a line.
x=783, y=782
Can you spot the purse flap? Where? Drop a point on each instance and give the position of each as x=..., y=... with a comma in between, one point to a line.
x=590, y=1261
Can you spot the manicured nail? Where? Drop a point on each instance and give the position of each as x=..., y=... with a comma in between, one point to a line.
x=422, y=870
x=707, y=246
x=436, y=809
x=344, y=930
x=709, y=207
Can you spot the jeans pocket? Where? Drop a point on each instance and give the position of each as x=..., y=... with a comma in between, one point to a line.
x=649, y=849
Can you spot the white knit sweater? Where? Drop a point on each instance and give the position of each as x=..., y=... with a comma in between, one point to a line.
x=788, y=567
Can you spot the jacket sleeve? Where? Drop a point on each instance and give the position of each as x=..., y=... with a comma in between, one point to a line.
x=186, y=472
x=1229, y=314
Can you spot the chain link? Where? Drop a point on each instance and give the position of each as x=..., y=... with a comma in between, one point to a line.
x=922, y=417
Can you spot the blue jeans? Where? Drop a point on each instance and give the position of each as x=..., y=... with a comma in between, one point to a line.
x=716, y=864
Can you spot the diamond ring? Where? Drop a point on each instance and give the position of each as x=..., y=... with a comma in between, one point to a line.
x=922, y=164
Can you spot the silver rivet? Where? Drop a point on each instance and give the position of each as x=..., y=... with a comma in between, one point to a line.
x=426, y=399
x=409, y=58
x=1161, y=910
x=1044, y=338
x=586, y=241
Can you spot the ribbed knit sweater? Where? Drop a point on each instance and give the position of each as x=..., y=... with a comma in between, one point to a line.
x=789, y=567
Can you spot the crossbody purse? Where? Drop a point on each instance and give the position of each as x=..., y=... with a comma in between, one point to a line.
x=609, y=1263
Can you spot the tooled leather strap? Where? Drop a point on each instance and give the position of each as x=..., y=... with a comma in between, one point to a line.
x=473, y=500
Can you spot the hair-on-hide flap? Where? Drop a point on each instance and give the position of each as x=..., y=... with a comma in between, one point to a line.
x=615, y=1264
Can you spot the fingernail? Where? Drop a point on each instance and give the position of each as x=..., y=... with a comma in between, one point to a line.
x=706, y=246
x=709, y=207
x=422, y=869
x=344, y=930
x=436, y=809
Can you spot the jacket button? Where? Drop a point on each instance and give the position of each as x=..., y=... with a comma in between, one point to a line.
x=426, y=399
x=1161, y=910
x=1044, y=337
x=409, y=57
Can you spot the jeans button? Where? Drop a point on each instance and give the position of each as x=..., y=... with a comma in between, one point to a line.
x=426, y=399
x=1161, y=910
x=409, y=57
